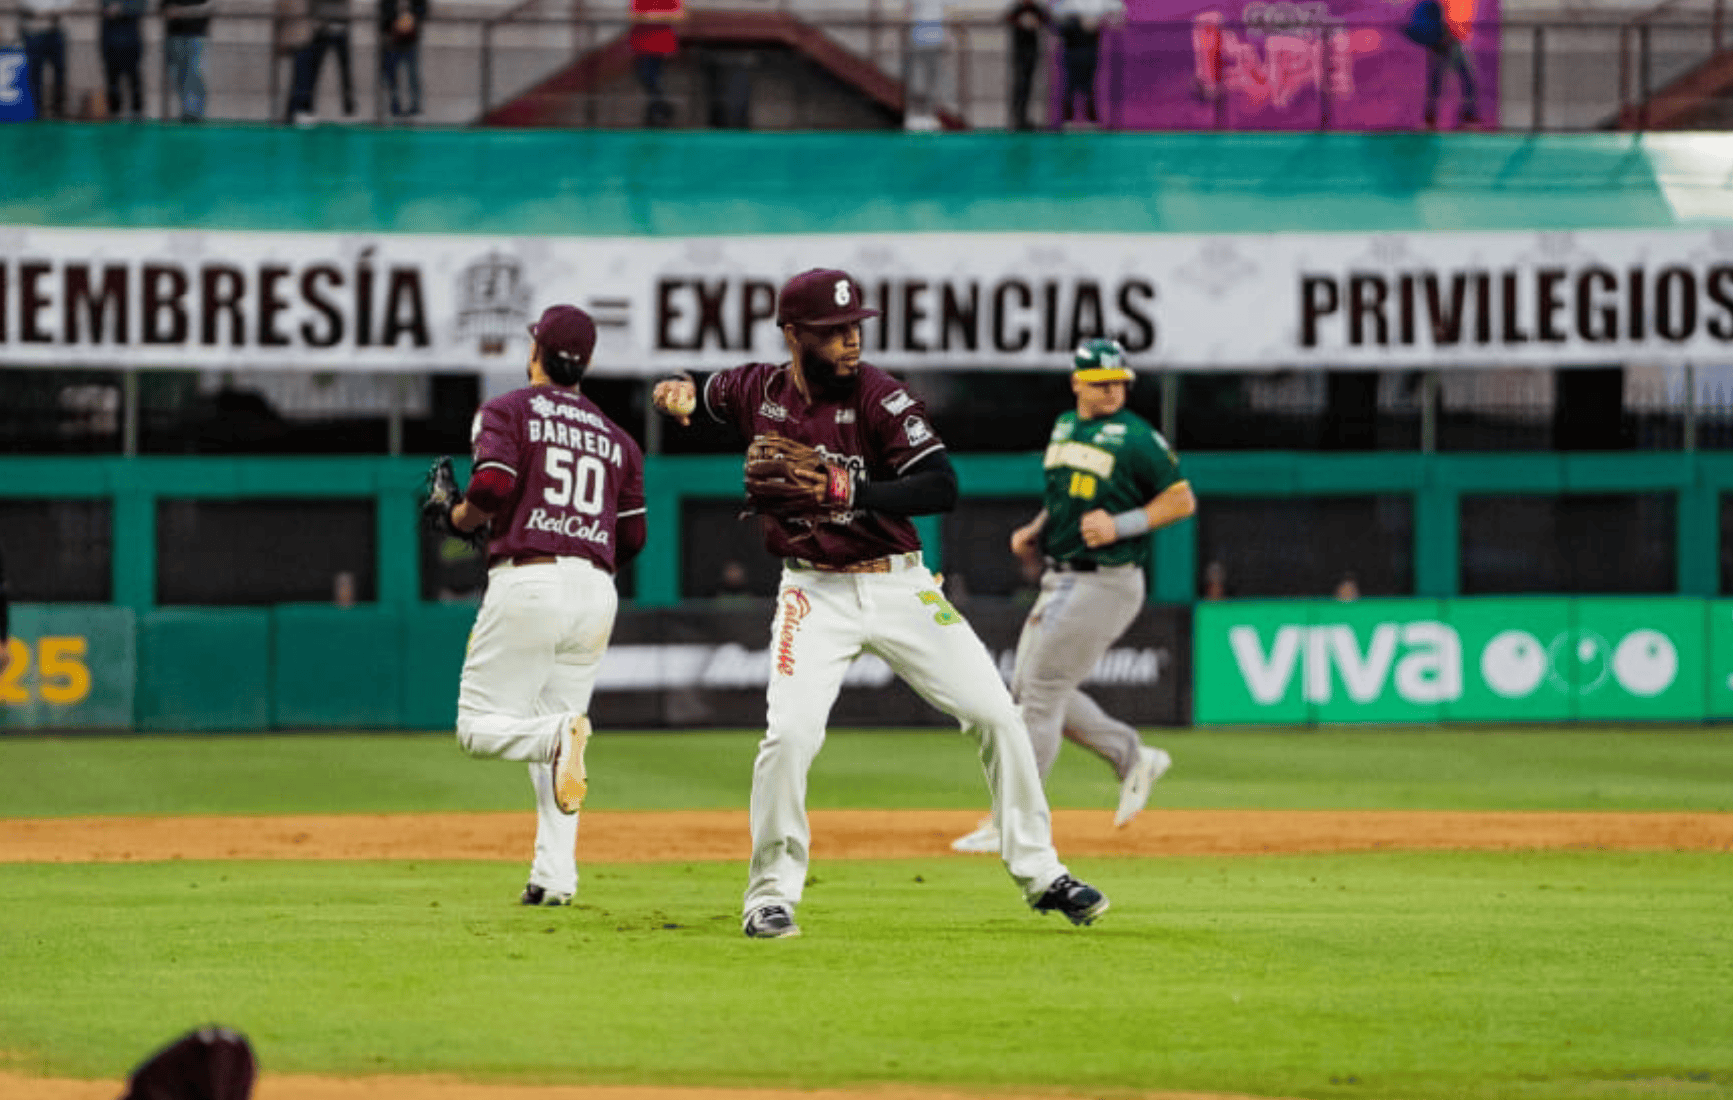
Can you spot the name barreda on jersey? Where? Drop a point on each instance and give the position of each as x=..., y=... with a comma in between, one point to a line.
x=919, y=315
x=1591, y=304
x=162, y=302
x=567, y=524
x=577, y=439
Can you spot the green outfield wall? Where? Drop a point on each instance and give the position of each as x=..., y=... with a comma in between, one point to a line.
x=1434, y=484
x=1253, y=662
x=391, y=660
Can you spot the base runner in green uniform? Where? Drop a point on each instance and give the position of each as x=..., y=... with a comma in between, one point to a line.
x=1111, y=479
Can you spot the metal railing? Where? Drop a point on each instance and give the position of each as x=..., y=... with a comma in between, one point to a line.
x=1553, y=75
x=1660, y=45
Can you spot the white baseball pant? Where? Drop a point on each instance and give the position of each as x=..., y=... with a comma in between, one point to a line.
x=533, y=659
x=823, y=621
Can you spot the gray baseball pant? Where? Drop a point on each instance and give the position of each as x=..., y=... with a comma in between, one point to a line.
x=1074, y=621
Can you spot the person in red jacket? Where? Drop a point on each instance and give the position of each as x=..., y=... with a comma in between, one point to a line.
x=654, y=40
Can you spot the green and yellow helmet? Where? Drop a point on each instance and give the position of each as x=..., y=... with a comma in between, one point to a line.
x=1100, y=360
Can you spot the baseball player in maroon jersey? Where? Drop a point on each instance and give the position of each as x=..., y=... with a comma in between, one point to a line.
x=853, y=582
x=563, y=487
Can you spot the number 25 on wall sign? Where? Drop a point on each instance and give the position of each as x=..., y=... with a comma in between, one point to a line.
x=62, y=676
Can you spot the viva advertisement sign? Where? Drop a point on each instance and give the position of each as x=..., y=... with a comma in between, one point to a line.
x=1465, y=659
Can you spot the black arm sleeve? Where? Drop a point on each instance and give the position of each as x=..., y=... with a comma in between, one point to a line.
x=929, y=486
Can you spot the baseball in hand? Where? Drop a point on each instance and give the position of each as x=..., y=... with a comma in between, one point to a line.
x=677, y=397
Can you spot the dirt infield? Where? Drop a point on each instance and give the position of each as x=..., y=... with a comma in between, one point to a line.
x=839, y=834
x=722, y=835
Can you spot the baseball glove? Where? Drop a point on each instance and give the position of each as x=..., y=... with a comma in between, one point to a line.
x=785, y=477
x=439, y=495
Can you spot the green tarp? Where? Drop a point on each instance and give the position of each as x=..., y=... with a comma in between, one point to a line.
x=701, y=183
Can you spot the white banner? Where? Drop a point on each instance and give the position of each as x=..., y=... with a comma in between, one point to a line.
x=335, y=302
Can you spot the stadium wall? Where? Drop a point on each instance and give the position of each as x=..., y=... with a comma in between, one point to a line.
x=389, y=659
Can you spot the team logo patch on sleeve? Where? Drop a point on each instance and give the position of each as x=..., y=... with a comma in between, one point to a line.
x=897, y=402
x=916, y=430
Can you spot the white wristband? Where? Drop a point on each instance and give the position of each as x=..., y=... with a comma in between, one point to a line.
x=1130, y=524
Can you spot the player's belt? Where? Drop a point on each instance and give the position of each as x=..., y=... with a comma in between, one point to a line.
x=872, y=565
x=1073, y=565
x=520, y=559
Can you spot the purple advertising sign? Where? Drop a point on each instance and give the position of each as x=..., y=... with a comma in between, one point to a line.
x=1313, y=64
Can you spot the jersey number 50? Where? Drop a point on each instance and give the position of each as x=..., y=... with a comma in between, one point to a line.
x=578, y=481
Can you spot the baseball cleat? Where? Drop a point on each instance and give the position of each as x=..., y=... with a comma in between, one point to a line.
x=571, y=781
x=985, y=839
x=770, y=922
x=1080, y=902
x=1151, y=765
x=536, y=895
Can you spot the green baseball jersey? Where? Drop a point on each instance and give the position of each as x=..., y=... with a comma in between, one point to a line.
x=1116, y=462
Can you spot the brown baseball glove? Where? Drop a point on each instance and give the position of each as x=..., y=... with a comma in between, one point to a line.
x=785, y=477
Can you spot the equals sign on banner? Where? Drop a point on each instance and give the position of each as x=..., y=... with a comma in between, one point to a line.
x=610, y=312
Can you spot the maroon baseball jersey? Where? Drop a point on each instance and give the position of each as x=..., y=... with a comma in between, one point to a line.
x=575, y=474
x=880, y=428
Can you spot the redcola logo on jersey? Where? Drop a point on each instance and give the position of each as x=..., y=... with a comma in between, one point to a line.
x=569, y=525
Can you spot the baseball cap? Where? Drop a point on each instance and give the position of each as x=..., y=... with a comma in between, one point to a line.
x=821, y=296
x=566, y=332
x=1100, y=360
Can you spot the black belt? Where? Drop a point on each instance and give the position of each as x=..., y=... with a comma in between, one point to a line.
x=1074, y=565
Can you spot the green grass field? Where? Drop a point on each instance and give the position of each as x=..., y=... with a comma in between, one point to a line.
x=1444, y=974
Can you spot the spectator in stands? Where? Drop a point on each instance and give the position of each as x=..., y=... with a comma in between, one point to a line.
x=185, y=25
x=654, y=40
x=1348, y=588
x=1428, y=29
x=400, y=52
x=728, y=87
x=734, y=586
x=44, y=48
x=122, y=50
x=1080, y=23
x=1027, y=18
x=926, y=55
x=1215, y=581
x=329, y=34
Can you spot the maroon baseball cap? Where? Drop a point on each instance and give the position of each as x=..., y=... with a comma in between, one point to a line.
x=821, y=297
x=566, y=331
